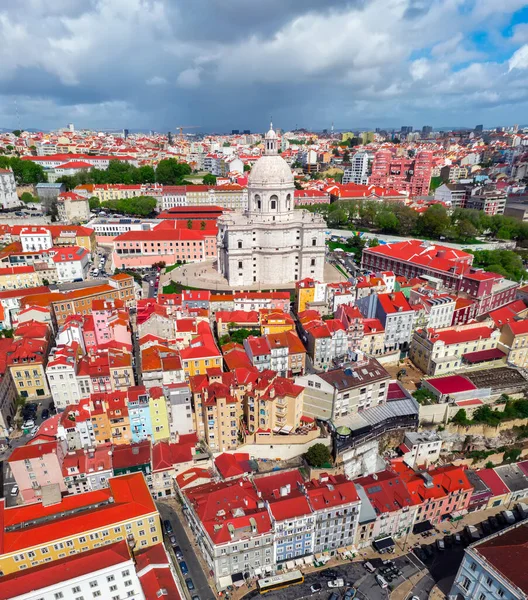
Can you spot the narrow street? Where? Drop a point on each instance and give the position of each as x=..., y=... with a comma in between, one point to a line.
x=196, y=573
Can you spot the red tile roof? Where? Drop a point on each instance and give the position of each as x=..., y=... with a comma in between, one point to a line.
x=331, y=490
x=232, y=465
x=131, y=499
x=493, y=481
x=59, y=571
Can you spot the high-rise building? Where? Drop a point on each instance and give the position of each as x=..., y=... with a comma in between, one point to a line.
x=235, y=131
x=357, y=172
x=426, y=129
x=479, y=128
x=406, y=129
x=411, y=175
x=125, y=133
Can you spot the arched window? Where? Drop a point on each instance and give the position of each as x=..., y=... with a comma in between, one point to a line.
x=288, y=202
x=240, y=243
x=258, y=202
x=314, y=242
x=273, y=202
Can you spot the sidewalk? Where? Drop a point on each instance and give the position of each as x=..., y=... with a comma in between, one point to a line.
x=403, y=590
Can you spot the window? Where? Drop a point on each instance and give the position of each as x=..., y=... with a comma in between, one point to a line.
x=110, y=578
x=58, y=595
x=96, y=594
x=312, y=262
x=93, y=584
x=76, y=589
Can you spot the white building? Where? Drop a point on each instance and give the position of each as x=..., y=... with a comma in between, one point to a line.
x=173, y=196
x=8, y=195
x=493, y=567
x=270, y=243
x=72, y=263
x=61, y=372
x=35, y=238
x=358, y=170
x=73, y=208
x=336, y=505
x=109, y=574
x=421, y=448
x=179, y=398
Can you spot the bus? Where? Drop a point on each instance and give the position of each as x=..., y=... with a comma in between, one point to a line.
x=277, y=582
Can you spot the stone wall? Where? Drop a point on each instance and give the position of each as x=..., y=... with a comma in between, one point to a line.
x=485, y=430
x=282, y=451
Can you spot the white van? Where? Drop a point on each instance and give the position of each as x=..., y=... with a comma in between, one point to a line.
x=96, y=272
x=381, y=582
x=370, y=567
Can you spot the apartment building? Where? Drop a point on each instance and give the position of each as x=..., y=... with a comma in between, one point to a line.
x=452, y=194
x=394, y=313
x=26, y=361
x=335, y=504
x=8, y=195
x=291, y=515
x=440, y=351
x=404, y=174
x=514, y=341
x=354, y=387
x=357, y=172
x=490, y=567
x=79, y=523
x=37, y=468
x=233, y=529
x=73, y=208
x=487, y=199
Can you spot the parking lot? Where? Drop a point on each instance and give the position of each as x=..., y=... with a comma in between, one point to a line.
x=354, y=575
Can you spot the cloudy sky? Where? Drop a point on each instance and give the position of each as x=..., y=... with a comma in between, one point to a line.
x=223, y=64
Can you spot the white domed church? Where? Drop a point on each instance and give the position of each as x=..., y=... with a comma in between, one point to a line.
x=271, y=243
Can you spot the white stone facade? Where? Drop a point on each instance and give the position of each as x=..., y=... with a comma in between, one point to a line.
x=8, y=195
x=270, y=243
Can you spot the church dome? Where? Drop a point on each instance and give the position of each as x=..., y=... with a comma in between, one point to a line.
x=270, y=170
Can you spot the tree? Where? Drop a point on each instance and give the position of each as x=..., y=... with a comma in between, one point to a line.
x=424, y=396
x=161, y=264
x=17, y=133
x=318, y=456
x=226, y=145
x=141, y=206
x=337, y=218
x=202, y=225
x=388, y=222
x=335, y=152
x=28, y=198
x=460, y=418
x=170, y=172
x=247, y=168
x=239, y=335
x=489, y=465
x=94, y=203
x=435, y=221
x=346, y=156
x=209, y=179
x=466, y=230
x=144, y=174
x=224, y=339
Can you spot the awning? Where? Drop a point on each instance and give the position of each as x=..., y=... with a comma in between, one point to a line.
x=341, y=550
x=422, y=527
x=290, y=565
x=457, y=515
x=319, y=557
x=258, y=571
x=308, y=560
x=384, y=543
x=224, y=582
x=238, y=579
x=483, y=355
x=299, y=562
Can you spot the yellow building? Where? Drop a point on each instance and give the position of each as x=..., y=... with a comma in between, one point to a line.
x=217, y=411
x=26, y=360
x=514, y=341
x=34, y=534
x=305, y=293
x=14, y=278
x=275, y=406
x=159, y=415
x=275, y=321
x=201, y=355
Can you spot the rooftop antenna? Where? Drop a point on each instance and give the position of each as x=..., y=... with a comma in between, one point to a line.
x=17, y=114
x=332, y=130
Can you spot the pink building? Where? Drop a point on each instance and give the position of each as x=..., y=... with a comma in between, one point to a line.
x=401, y=173
x=141, y=249
x=111, y=323
x=307, y=197
x=35, y=466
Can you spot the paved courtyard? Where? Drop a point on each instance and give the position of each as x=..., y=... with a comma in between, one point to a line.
x=205, y=275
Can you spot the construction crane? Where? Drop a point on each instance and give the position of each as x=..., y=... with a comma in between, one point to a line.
x=182, y=127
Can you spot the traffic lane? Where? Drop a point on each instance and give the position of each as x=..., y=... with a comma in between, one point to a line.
x=201, y=585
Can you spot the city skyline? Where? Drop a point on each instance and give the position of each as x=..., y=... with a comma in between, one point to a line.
x=154, y=65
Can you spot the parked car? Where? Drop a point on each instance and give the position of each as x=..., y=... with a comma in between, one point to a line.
x=172, y=540
x=178, y=552
x=420, y=554
x=183, y=567
x=316, y=587
x=333, y=596
x=14, y=491
x=350, y=593
x=45, y=414
x=330, y=574
x=486, y=528
x=334, y=583
x=381, y=582
x=440, y=545
x=34, y=430
x=189, y=583
x=458, y=539
x=494, y=524
x=195, y=598
x=29, y=424
x=168, y=526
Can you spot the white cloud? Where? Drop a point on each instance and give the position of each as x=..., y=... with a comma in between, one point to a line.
x=156, y=80
x=419, y=68
x=190, y=78
x=519, y=59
